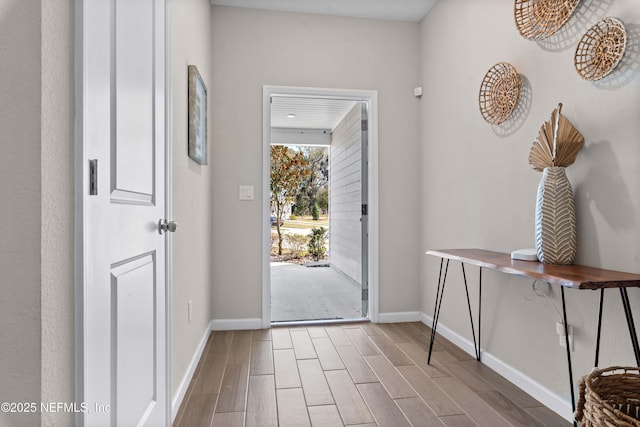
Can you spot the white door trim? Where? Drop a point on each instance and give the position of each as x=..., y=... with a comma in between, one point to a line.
x=357, y=95
x=168, y=203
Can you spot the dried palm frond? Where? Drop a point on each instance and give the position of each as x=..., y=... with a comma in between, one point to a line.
x=558, y=143
x=541, y=154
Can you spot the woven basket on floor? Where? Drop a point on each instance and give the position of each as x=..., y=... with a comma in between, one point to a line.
x=610, y=397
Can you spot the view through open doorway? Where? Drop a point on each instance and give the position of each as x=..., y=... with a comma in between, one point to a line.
x=318, y=213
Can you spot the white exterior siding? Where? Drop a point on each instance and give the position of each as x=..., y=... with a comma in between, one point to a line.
x=345, y=200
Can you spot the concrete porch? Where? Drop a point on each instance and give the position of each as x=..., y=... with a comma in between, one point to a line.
x=312, y=293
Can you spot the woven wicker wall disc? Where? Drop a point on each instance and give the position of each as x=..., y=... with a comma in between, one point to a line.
x=499, y=93
x=600, y=49
x=538, y=19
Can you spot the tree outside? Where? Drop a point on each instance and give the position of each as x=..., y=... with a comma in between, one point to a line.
x=315, y=183
x=288, y=169
x=322, y=199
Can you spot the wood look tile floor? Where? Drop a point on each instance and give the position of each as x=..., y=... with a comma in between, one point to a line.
x=353, y=374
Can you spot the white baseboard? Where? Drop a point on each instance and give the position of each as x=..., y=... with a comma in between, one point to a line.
x=188, y=376
x=548, y=398
x=545, y=396
x=405, y=316
x=235, y=324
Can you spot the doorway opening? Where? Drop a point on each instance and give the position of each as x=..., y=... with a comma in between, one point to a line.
x=332, y=134
x=306, y=282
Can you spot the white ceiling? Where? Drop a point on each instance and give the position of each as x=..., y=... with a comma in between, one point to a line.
x=310, y=113
x=395, y=10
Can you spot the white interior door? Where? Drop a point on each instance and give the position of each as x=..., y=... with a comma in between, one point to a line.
x=123, y=354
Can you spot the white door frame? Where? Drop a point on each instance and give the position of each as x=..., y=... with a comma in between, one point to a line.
x=81, y=199
x=168, y=202
x=369, y=96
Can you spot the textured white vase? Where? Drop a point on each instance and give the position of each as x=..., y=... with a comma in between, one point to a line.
x=555, y=218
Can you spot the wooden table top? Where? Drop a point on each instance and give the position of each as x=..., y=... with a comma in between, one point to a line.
x=572, y=276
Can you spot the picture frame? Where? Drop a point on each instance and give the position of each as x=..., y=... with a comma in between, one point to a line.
x=197, y=117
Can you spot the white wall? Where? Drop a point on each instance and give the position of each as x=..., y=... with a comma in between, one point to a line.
x=20, y=209
x=36, y=307
x=345, y=195
x=254, y=48
x=57, y=229
x=192, y=201
x=477, y=189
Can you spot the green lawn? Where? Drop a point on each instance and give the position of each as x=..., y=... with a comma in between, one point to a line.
x=307, y=222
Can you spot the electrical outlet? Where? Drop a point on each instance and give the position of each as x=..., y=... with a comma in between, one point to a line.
x=561, y=339
x=189, y=311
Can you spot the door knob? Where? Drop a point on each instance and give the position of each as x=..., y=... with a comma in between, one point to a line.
x=165, y=225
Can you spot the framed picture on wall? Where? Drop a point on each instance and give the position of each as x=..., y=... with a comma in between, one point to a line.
x=197, y=117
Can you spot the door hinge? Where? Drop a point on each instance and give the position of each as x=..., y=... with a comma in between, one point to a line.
x=365, y=210
x=364, y=125
x=365, y=294
x=93, y=177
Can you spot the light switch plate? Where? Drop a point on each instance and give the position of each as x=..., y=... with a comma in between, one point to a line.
x=246, y=192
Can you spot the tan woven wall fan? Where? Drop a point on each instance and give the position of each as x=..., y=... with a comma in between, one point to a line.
x=538, y=19
x=499, y=93
x=600, y=49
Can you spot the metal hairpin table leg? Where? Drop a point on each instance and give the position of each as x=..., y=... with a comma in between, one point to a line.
x=566, y=341
x=436, y=310
x=479, y=311
x=473, y=331
x=595, y=364
x=632, y=329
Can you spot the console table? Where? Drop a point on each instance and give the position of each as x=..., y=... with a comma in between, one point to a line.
x=565, y=276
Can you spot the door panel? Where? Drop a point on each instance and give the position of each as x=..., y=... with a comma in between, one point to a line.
x=134, y=344
x=133, y=86
x=346, y=196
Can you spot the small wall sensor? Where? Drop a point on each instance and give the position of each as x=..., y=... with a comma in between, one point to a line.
x=417, y=92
